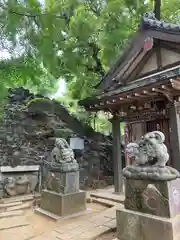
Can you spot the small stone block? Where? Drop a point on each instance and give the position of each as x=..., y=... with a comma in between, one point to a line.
x=133, y=225
x=63, y=204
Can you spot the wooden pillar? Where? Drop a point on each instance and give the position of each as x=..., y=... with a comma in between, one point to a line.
x=126, y=141
x=117, y=158
x=174, y=117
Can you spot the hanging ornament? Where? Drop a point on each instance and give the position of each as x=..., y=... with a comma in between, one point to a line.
x=148, y=43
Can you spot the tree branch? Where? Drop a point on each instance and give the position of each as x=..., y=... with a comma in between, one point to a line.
x=98, y=68
x=63, y=15
x=24, y=14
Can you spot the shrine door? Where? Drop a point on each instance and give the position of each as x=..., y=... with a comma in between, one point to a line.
x=137, y=131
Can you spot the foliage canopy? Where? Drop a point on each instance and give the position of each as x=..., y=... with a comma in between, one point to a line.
x=77, y=40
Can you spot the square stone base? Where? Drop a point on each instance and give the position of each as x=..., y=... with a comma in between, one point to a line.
x=63, y=204
x=57, y=218
x=160, y=198
x=133, y=225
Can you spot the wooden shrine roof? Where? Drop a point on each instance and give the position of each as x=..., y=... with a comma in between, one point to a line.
x=149, y=27
x=165, y=84
x=139, y=69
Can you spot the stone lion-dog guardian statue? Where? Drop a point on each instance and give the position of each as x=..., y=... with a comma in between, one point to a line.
x=149, y=158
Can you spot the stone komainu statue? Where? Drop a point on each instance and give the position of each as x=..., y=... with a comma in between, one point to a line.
x=62, y=153
x=62, y=157
x=61, y=162
x=150, y=150
x=149, y=158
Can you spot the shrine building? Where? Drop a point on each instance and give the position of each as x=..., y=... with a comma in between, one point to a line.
x=143, y=90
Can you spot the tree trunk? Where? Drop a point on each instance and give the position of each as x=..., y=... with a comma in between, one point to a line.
x=157, y=9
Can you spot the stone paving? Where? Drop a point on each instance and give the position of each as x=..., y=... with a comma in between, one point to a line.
x=28, y=225
x=84, y=228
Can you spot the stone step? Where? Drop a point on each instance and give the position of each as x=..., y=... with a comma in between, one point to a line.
x=109, y=196
x=6, y=205
x=20, y=207
x=103, y=202
x=46, y=213
x=20, y=198
x=58, y=218
x=11, y=214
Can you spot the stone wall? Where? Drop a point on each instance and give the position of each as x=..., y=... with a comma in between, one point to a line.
x=27, y=137
x=19, y=140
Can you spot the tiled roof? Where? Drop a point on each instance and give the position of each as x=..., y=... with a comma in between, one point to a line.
x=150, y=21
x=158, y=78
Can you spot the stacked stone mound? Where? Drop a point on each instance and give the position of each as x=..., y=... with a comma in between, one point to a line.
x=27, y=137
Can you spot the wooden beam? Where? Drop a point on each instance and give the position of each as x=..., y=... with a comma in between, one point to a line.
x=131, y=64
x=137, y=70
x=134, y=48
x=166, y=88
x=159, y=90
x=171, y=46
x=139, y=95
x=149, y=93
x=175, y=84
x=129, y=97
x=165, y=36
x=159, y=56
x=165, y=93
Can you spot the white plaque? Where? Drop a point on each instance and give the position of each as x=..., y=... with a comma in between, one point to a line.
x=77, y=143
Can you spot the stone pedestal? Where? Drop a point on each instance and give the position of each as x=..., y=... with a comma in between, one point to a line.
x=160, y=198
x=132, y=225
x=63, y=204
x=152, y=210
x=62, y=197
x=64, y=182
